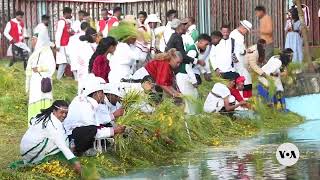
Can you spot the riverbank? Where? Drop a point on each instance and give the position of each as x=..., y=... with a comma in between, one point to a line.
x=145, y=145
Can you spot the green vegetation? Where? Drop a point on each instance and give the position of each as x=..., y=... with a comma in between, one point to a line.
x=151, y=140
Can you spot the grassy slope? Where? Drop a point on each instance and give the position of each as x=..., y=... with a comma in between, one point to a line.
x=206, y=129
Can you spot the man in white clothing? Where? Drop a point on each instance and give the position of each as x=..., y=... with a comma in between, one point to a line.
x=168, y=31
x=73, y=49
x=16, y=32
x=110, y=109
x=192, y=33
x=240, y=52
x=123, y=61
x=221, y=55
x=151, y=23
x=220, y=99
x=82, y=123
x=41, y=34
x=76, y=25
x=275, y=68
x=63, y=34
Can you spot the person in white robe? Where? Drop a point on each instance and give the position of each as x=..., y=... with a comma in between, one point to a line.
x=82, y=123
x=275, y=68
x=168, y=31
x=240, y=52
x=187, y=83
x=76, y=25
x=46, y=139
x=189, y=78
x=110, y=109
x=151, y=24
x=220, y=99
x=73, y=49
x=87, y=45
x=41, y=64
x=294, y=40
x=221, y=52
x=122, y=62
x=16, y=33
x=140, y=46
x=41, y=34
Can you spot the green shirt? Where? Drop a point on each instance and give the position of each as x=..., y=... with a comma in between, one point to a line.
x=192, y=51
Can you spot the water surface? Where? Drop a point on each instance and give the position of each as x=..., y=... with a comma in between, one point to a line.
x=253, y=158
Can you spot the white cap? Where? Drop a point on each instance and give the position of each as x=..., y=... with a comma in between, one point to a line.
x=112, y=88
x=152, y=18
x=92, y=84
x=246, y=24
x=175, y=23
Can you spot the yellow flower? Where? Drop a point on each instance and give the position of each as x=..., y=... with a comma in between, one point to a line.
x=215, y=142
x=170, y=121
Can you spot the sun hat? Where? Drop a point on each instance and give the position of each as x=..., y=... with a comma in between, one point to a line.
x=152, y=18
x=246, y=24
x=92, y=84
x=112, y=88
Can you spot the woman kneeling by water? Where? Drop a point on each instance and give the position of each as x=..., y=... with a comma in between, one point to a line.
x=46, y=138
x=161, y=69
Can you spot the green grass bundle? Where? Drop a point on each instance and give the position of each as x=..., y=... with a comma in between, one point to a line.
x=124, y=31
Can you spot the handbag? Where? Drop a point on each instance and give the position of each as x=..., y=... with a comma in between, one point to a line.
x=46, y=85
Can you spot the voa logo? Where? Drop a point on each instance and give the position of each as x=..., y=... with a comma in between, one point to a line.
x=287, y=154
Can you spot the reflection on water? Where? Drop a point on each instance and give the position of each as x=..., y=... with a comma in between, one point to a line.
x=253, y=158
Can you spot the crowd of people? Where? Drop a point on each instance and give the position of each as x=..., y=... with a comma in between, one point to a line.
x=122, y=54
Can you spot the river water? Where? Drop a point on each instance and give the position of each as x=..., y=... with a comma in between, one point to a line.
x=253, y=158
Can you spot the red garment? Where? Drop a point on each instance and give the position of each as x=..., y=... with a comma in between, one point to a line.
x=14, y=31
x=247, y=93
x=236, y=93
x=102, y=24
x=161, y=72
x=65, y=34
x=101, y=67
x=111, y=21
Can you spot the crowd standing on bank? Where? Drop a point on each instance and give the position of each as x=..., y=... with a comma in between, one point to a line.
x=120, y=54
